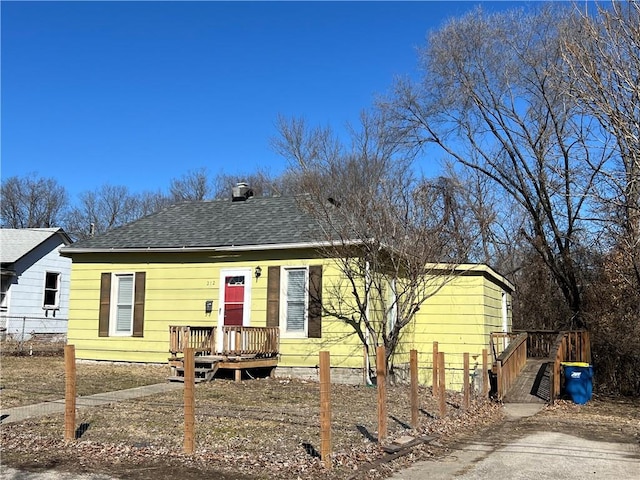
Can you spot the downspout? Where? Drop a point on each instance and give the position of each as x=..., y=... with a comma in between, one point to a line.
x=505, y=321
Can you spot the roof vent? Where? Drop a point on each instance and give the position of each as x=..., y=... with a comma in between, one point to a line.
x=241, y=192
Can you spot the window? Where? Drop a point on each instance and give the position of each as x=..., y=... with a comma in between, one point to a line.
x=4, y=292
x=294, y=301
x=122, y=304
x=51, y=290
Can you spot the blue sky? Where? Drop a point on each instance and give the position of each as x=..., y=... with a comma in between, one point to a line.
x=138, y=93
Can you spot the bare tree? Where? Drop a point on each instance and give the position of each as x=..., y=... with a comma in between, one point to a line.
x=149, y=202
x=493, y=99
x=602, y=52
x=101, y=210
x=378, y=225
x=32, y=201
x=477, y=222
x=193, y=186
x=614, y=308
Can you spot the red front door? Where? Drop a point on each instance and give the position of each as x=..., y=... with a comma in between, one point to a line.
x=234, y=286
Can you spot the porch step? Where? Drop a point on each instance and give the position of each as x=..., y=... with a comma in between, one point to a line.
x=202, y=374
x=197, y=370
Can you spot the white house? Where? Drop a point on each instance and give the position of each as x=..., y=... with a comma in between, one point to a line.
x=34, y=293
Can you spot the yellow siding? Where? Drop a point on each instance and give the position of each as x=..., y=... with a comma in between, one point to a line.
x=175, y=295
x=337, y=337
x=460, y=316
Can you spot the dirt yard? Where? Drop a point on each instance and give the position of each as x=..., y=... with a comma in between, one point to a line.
x=259, y=429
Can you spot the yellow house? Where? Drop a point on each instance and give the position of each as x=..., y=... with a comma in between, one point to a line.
x=237, y=269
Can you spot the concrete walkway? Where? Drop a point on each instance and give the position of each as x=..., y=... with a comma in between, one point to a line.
x=541, y=455
x=18, y=414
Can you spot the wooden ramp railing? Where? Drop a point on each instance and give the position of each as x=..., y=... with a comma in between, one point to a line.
x=510, y=362
x=500, y=341
x=539, y=342
x=236, y=340
x=511, y=351
x=573, y=346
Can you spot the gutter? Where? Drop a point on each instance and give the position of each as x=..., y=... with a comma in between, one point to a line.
x=232, y=248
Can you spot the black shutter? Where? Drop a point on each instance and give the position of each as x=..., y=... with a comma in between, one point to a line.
x=273, y=297
x=105, y=305
x=315, y=301
x=138, y=305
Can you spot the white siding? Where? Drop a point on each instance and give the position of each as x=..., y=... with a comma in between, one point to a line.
x=25, y=312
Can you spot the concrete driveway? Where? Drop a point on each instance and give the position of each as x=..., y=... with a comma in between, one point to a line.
x=540, y=455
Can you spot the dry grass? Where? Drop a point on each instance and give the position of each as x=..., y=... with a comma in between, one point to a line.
x=26, y=380
x=254, y=429
x=257, y=429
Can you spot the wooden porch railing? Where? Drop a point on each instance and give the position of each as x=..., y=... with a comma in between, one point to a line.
x=236, y=340
x=201, y=339
x=510, y=363
x=262, y=341
x=573, y=346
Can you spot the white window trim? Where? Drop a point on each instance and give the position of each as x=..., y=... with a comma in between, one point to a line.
x=284, y=280
x=113, y=304
x=56, y=305
x=505, y=311
x=392, y=311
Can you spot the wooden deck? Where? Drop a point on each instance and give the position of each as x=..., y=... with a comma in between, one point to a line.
x=239, y=349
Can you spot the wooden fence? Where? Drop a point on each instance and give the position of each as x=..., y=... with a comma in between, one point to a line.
x=198, y=335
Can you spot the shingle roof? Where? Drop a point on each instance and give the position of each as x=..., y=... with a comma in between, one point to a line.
x=216, y=223
x=15, y=243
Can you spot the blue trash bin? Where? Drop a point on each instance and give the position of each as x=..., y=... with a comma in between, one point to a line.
x=578, y=381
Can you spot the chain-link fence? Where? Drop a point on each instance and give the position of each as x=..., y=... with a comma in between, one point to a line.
x=26, y=335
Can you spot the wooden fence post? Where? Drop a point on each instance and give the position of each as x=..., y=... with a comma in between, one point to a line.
x=442, y=397
x=434, y=388
x=381, y=376
x=466, y=380
x=413, y=365
x=325, y=409
x=485, y=373
x=189, y=401
x=587, y=341
x=70, y=392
